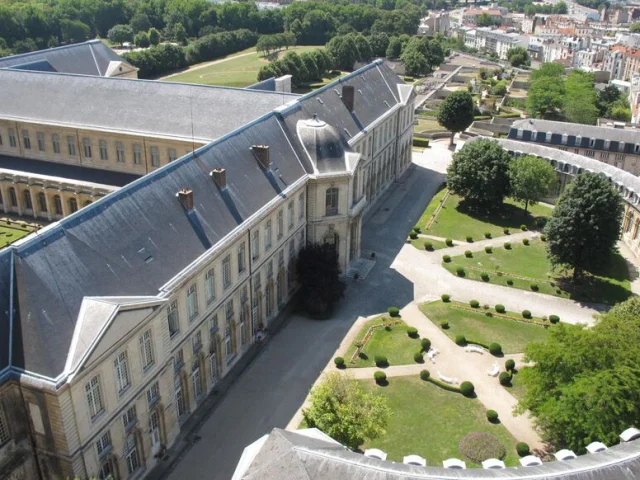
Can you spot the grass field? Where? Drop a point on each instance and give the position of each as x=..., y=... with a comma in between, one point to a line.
x=610, y=285
x=11, y=233
x=419, y=243
x=513, y=336
x=427, y=125
x=429, y=421
x=517, y=389
x=240, y=70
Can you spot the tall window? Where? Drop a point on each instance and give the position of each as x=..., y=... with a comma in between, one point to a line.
x=57, y=203
x=86, y=143
x=131, y=454
x=103, y=444
x=104, y=153
x=153, y=395
x=171, y=153
x=213, y=325
x=267, y=235
x=27, y=199
x=210, y=285
x=291, y=214
x=13, y=197
x=196, y=342
x=41, y=144
x=122, y=372
x=42, y=202
x=55, y=140
x=73, y=205
x=26, y=140
x=146, y=349
x=226, y=272
x=280, y=223
x=137, y=154
x=120, y=152
x=192, y=302
x=71, y=145
x=241, y=257
x=331, y=201
x=12, y=138
x=155, y=157
x=172, y=318
x=301, y=206
x=197, y=383
x=94, y=397
x=228, y=308
x=255, y=245
x=129, y=418
x=4, y=429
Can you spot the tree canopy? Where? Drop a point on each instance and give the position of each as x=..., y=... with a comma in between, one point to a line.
x=583, y=229
x=531, y=179
x=321, y=286
x=120, y=34
x=518, y=57
x=456, y=112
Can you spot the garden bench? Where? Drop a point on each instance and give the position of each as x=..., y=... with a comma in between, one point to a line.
x=474, y=349
x=494, y=371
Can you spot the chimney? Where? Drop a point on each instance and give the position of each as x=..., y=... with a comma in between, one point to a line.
x=348, y=96
x=186, y=198
x=219, y=176
x=262, y=154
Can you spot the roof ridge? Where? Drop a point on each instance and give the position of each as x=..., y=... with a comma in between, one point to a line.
x=52, y=49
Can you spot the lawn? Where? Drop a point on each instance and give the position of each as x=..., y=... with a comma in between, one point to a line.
x=419, y=243
x=429, y=421
x=395, y=344
x=513, y=336
x=239, y=71
x=11, y=233
x=610, y=286
x=456, y=221
x=517, y=389
x=427, y=125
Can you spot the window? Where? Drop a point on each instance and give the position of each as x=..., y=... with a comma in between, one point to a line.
x=604, y=156
x=57, y=203
x=71, y=145
x=619, y=157
x=281, y=257
x=592, y=142
x=146, y=349
x=153, y=394
x=137, y=154
x=105, y=472
x=195, y=377
x=241, y=258
x=302, y=238
x=210, y=285
x=548, y=137
x=226, y=272
x=41, y=144
x=213, y=325
x=255, y=245
x=519, y=133
x=171, y=153
x=621, y=147
x=94, y=397
x=4, y=430
x=331, y=201
x=86, y=143
x=181, y=407
x=104, y=154
x=172, y=318
x=178, y=361
x=13, y=197
x=291, y=213
x=228, y=347
x=12, y=138
x=131, y=454
x=192, y=302
x=120, y=152
x=564, y=138
x=26, y=140
x=122, y=372
x=243, y=334
x=196, y=342
x=267, y=236
x=228, y=308
x=280, y=224
x=103, y=444
x=590, y=153
x=55, y=140
x=129, y=418
x=301, y=206
x=292, y=248
x=42, y=202
x=73, y=205
x=155, y=157
x=27, y=199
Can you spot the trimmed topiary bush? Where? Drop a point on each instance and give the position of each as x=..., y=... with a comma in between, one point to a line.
x=488, y=249
x=425, y=343
x=474, y=303
x=492, y=416
x=428, y=246
x=417, y=357
x=393, y=311
x=506, y=231
x=445, y=297
x=380, y=377
x=449, y=242
x=467, y=389
x=469, y=238
x=510, y=365
x=468, y=254
x=484, y=276
x=507, y=245
x=417, y=229
x=487, y=235
x=412, y=332
x=500, y=308
x=381, y=360
x=339, y=361
x=460, y=340
x=543, y=237
x=523, y=449
x=495, y=349
x=526, y=314
x=534, y=287
x=554, y=318
x=424, y=374
x=477, y=447
x=523, y=227
x=446, y=258
x=509, y=282
x=505, y=379
x=444, y=324
x=460, y=271
x=413, y=235
x=525, y=241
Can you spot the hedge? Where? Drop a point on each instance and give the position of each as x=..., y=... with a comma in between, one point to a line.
x=525, y=241
x=380, y=360
x=526, y=314
x=445, y=386
x=420, y=142
x=554, y=318
x=523, y=449
x=500, y=308
x=425, y=343
x=417, y=229
x=467, y=389
x=460, y=340
x=428, y=245
x=468, y=253
x=445, y=297
x=444, y=324
x=418, y=358
x=339, y=361
x=469, y=238
x=487, y=234
x=449, y=242
x=505, y=379
x=523, y=227
x=412, y=332
x=393, y=311
x=492, y=416
x=506, y=231
x=474, y=303
x=495, y=349
x=460, y=271
x=507, y=246
x=488, y=249
x=379, y=377
x=446, y=258
x=509, y=282
x=413, y=235
x=484, y=276
x=424, y=374
x=543, y=238
x=510, y=364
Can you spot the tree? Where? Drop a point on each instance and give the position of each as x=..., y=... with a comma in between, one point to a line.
x=479, y=173
x=499, y=88
x=486, y=20
x=142, y=40
x=154, y=36
x=531, y=179
x=74, y=30
x=140, y=22
x=547, y=69
x=414, y=62
x=606, y=97
x=560, y=8
x=456, y=112
x=583, y=229
x=311, y=65
x=344, y=51
x=343, y=409
x=379, y=43
x=545, y=97
x=635, y=27
x=518, y=57
x=580, y=98
x=620, y=113
x=321, y=285
x=180, y=33
x=364, y=48
x=394, y=49
x=120, y=34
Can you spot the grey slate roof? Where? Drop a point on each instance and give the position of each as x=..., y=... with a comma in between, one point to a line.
x=130, y=105
x=292, y=456
x=87, y=58
x=268, y=85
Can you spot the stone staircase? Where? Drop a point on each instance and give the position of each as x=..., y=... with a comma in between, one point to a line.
x=361, y=267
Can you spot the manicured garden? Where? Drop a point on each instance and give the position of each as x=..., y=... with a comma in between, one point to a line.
x=429, y=421
x=476, y=326
x=11, y=231
x=526, y=267
x=427, y=244
x=516, y=388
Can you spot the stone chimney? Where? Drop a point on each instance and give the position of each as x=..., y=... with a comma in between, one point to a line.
x=349, y=96
x=186, y=198
x=262, y=154
x=219, y=176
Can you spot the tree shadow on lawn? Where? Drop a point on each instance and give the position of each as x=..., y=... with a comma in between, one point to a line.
x=505, y=216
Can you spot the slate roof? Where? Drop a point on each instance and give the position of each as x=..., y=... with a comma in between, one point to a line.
x=87, y=58
x=134, y=106
x=295, y=456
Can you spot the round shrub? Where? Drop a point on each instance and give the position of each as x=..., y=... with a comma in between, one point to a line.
x=526, y=314
x=449, y=242
x=417, y=357
x=474, y=303
x=460, y=271
x=445, y=297
x=379, y=377
x=492, y=416
x=444, y=324
x=509, y=282
x=460, y=340
x=339, y=361
x=523, y=227
x=543, y=237
x=425, y=343
x=505, y=379
x=525, y=241
x=477, y=447
x=413, y=235
x=500, y=308
x=522, y=449
x=469, y=238
x=506, y=231
x=488, y=249
x=554, y=318
x=467, y=389
x=424, y=374
x=381, y=360
x=534, y=287
x=510, y=364
x=428, y=246
x=393, y=311
x=495, y=349
x=484, y=276
x=507, y=246
x=487, y=235
x=412, y=332
x=446, y=258
x=468, y=254
x=558, y=291
x=417, y=229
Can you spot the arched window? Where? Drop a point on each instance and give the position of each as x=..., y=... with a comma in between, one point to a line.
x=12, y=197
x=57, y=204
x=331, y=201
x=42, y=202
x=87, y=203
x=73, y=205
x=27, y=200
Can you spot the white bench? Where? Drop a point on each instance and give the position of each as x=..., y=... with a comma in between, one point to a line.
x=474, y=349
x=449, y=380
x=432, y=353
x=494, y=371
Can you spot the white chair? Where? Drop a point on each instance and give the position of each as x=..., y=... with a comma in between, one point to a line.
x=530, y=461
x=375, y=453
x=494, y=371
x=493, y=464
x=565, y=455
x=630, y=434
x=596, y=447
x=414, y=460
x=454, y=464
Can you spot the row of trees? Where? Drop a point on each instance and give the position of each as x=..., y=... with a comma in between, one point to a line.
x=303, y=68
x=422, y=55
x=268, y=44
x=530, y=8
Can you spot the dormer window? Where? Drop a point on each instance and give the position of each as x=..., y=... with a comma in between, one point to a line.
x=592, y=142
x=621, y=147
x=534, y=135
x=549, y=137
x=607, y=144
x=578, y=140
x=565, y=137
x=519, y=135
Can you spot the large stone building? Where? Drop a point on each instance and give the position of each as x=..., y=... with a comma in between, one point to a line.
x=493, y=41
x=120, y=318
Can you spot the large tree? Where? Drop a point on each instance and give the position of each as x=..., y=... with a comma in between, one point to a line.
x=545, y=97
x=479, y=174
x=320, y=281
x=343, y=409
x=583, y=229
x=456, y=112
x=119, y=34
x=585, y=382
x=518, y=57
x=580, y=98
x=531, y=178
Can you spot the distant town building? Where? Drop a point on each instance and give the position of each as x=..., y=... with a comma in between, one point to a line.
x=493, y=41
x=435, y=22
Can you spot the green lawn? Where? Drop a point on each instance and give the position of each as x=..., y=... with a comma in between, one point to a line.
x=395, y=344
x=427, y=125
x=610, y=286
x=517, y=389
x=237, y=72
x=429, y=421
x=513, y=336
x=11, y=233
x=419, y=243
x=456, y=221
